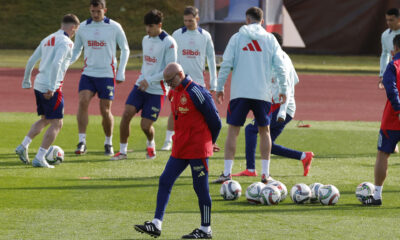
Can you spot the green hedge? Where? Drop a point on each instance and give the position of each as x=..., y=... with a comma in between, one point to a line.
x=24, y=23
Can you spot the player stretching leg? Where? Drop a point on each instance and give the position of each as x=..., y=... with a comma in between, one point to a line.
x=281, y=115
x=55, y=52
x=252, y=53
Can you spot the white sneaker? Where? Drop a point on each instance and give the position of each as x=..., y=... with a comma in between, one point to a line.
x=22, y=153
x=41, y=163
x=167, y=146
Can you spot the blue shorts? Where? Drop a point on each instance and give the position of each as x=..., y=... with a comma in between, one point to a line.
x=387, y=140
x=104, y=87
x=150, y=104
x=52, y=108
x=239, y=108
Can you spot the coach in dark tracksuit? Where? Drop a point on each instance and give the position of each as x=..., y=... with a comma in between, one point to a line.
x=197, y=125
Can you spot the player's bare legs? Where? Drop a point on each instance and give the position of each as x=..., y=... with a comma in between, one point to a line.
x=108, y=118
x=380, y=172
x=169, y=133
x=170, y=125
x=124, y=127
x=124, y=131
x=265, y=142
x=147, y=127
x=52, y=132
x=265, y=152
x=230, y=143
x=381, y=166
x=37, y=127
x=85, y=96
x=229, y=154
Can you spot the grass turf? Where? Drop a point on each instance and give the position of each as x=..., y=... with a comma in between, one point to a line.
x=60, y=204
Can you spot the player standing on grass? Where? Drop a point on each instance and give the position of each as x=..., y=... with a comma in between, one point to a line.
x=55, y=52
x=393, y=21
x=252, y=53
x=99, y=36
x=197, y=126
x=281, y=115
x=389, y=134
x=148, y=94
x=194, y=46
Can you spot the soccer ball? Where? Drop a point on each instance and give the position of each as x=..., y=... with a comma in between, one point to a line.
x=253, y=192
x=328, y=195
x=230, y=190
x=314, y=192
x=364, y=190
x=270, y=195
x=55, y=155
x=282, y=188
x=300, y=193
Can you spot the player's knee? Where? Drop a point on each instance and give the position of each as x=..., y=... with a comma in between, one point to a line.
x=145, y=125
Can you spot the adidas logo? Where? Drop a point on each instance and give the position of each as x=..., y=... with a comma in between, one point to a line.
x=253, y=46
x=201, y=174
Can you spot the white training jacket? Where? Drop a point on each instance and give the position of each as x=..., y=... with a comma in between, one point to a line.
x=252, y=53
x=387, y=47
x=289, y=107
x=100, y=40
x=158, y=52
x=55, y=52
x=194, y=46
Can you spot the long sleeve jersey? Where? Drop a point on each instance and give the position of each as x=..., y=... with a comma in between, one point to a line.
x=289, y=107
x=387, y=48
x=55, y=52
x=252, y=53
x=194, y=46
x=391, y=81
x=158, y=52
x=196, y=121
x=100, y=40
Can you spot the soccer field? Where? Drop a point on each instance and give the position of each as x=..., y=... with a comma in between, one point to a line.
x=90, y=197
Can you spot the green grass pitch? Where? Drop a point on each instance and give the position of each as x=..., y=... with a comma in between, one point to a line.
x=58, y=204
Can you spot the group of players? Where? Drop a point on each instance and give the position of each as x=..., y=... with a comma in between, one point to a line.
x=263, y=80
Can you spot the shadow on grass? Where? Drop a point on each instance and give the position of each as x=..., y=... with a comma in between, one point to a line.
x=249, y=208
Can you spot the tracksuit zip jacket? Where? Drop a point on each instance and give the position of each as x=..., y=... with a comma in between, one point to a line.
x=391, y=81
x=196, y=121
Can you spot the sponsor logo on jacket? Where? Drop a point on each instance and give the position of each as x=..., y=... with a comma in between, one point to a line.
x=190, y=53
x=150, y=59
x=96, y=44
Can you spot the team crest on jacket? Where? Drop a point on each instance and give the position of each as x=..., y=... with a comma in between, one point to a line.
x=183, y=100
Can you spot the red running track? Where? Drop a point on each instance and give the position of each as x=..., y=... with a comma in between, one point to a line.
x=318, y=97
